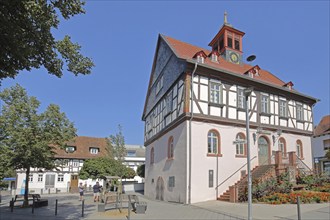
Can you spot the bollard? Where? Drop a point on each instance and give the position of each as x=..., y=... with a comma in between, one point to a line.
x=82, y=208
x=56, y=190
x=56, y=207
x=298, y=208
x=33, y=206
x=42, y=191
x=49, y=191
x=129, y=210
x=12, y=205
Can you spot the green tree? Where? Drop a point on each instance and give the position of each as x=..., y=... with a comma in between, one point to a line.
x=99, y=168
x=141, y=170
x=327, y=154
x=116, y=145
x=26, y=136
x=27, y=42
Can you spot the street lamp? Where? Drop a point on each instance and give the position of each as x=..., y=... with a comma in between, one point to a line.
x=247, y=92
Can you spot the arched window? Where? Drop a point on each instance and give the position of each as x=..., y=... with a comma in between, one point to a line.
x=170, y=148
x=282, y=146
x=240, y=146
x=299, y=149
x=152, y=155
x=213, y=142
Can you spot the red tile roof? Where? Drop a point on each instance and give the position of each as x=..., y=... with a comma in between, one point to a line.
x=83, y=145
x=187, y=51
x=323, y=127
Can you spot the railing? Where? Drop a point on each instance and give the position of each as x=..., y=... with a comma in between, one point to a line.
x=234, y=173
x=242, y=185
x=303, y=167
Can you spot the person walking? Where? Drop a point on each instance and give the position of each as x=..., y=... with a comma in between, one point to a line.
x=81, y=192
x=96, y=191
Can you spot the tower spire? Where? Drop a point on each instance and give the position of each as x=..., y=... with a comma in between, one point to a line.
x=225, y=18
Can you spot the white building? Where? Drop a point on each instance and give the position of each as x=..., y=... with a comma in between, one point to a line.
x=65, y=177
x=321, y=144
x=189, y=135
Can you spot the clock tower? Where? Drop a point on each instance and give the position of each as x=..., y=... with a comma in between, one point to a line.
x=228, y=42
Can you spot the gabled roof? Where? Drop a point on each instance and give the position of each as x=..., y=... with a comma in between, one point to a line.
x=187, y=51
x=82, y=148
x=323, y=127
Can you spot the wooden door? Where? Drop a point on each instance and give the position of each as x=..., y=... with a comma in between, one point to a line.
x=74, y=183
x=263, y=151
x=160, y=189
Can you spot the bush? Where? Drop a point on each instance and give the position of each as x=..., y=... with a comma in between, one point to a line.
x=305, y=197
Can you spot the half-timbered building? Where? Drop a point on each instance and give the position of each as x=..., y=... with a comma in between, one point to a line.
x=194, y=114
x=70, y=160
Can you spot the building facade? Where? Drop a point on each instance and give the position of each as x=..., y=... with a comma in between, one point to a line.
x=195, y=124
x=321, y=145
x=65, y=177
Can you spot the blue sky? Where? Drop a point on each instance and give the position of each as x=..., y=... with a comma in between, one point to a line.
x=289, y=38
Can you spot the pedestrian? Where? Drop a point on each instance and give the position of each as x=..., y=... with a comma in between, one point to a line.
x=81, y=192
x=96, y=191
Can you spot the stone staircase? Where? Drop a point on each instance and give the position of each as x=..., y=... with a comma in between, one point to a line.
x=259, y=172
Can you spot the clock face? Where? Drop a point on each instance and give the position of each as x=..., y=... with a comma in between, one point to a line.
x=234, y=57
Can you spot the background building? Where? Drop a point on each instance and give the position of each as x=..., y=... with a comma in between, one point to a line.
x=321, y=144
x=65, y=177
x=194, y=111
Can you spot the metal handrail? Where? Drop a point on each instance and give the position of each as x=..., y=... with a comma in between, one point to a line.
x=261, y=164
x=234, y=173
x=302, y=162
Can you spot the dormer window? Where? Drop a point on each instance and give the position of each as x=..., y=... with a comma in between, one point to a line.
x=70, y=149
x=214, y=56
x=200, y=59
x=289, y=85
x=254, y=71
x=94, y=150
x=200, y=56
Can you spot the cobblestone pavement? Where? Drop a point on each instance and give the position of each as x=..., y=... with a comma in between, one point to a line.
x=69, y=207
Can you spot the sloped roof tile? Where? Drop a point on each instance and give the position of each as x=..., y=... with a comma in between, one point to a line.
x=187, y=51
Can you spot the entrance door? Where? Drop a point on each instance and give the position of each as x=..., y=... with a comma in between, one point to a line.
x=74, y=183
x=263, y=151
x=160, y=189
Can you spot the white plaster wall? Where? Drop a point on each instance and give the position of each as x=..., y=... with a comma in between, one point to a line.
x=318, y=147
x=165, y=168
x=201, y=163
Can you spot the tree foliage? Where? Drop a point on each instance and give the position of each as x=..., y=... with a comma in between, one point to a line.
x=116, y=145
x=26, y=39
x=26, y=136
x=99, y=168
x=141, y=170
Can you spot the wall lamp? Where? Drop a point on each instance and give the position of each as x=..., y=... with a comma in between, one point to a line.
x=278, y=132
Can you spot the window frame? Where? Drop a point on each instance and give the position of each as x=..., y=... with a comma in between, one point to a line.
x=299, y=111
x=218, y=91
x=282, y=147
x=170, y=148
x=94, y=150
x=240, y=97
x=40, y=177
x=299, y=146
x=215, y=138
x=60, y=178
x=264, y=103
x=152, y=155
x=282, y=108
x=239, y=146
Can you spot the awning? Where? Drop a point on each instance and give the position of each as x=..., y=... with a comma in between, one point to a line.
x=9, y=179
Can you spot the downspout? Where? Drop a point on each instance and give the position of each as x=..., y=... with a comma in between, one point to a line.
x=191, y=117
